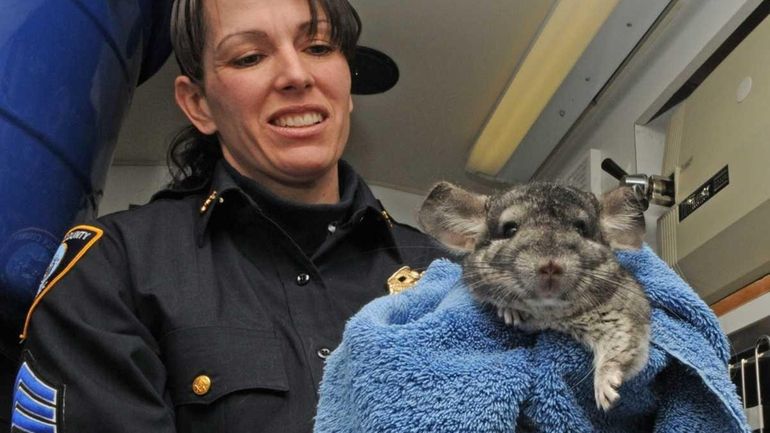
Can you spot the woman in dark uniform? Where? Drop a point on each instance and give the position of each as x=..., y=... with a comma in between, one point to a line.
x=212, y=308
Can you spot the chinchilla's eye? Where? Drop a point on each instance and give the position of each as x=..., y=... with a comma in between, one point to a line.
x=509, y=229
x=581, y=227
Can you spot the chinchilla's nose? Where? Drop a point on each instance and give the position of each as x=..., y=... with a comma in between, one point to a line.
x=550, y=269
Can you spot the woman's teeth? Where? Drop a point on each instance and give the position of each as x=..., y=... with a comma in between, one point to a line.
x=299, y=120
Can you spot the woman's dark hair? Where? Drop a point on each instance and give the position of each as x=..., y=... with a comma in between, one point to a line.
x=193, y=155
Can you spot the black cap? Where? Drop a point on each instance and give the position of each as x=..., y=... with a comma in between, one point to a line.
x=372, y=71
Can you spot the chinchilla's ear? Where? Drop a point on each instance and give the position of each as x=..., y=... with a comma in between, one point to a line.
x=454, y=216
x=622, y=219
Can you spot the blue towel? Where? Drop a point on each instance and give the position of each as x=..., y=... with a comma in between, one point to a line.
x=432, y=360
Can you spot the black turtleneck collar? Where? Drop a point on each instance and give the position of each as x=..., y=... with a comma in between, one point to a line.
x=307, y=224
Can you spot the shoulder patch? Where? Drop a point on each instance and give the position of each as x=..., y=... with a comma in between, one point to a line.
x=35, y=403
x=75, y=244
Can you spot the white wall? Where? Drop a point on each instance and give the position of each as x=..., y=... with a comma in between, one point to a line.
x=619, y=125
x=688, y=35
x=131, y=184
x=402, y=206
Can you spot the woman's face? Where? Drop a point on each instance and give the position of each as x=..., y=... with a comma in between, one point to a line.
x=279, y=99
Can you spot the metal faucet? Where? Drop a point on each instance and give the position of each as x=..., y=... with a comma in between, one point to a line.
x=648, y=189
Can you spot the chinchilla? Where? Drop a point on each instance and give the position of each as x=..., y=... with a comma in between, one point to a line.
x=541, y=255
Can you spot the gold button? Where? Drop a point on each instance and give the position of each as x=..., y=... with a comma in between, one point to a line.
x=201, y=385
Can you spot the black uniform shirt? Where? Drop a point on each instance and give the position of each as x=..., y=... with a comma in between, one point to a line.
x=199, y=313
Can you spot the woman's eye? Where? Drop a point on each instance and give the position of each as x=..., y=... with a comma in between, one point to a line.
x=509, y=229
x=320, y=49
x=248, y=60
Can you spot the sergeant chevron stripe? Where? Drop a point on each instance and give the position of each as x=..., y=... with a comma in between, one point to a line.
x=34, y=404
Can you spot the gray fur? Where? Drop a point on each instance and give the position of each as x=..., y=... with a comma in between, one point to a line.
x=558, y=270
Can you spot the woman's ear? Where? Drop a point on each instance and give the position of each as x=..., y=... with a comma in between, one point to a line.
x=192, y=101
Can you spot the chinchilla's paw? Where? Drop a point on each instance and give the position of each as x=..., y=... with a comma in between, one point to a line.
x=606, y=384
x=509, y=316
